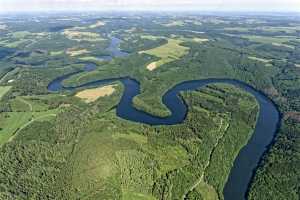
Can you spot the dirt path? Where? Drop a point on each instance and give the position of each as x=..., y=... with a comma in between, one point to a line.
x=208, y=162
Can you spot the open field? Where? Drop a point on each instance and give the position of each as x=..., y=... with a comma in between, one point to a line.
x=4, y=90
x=97, y=24
x=276, y=40
x=259, y=59
x=24, y=111
x=286, y=29
x=13, y=122
x=174, y=23
x=15, y=43
x=91, y=95
x=150, y=37
x=56, y=53
x=152, y=66
x=167, y=52
x=90, y=58
x=283, y=45
x=82, y=36
x=270, y=29
x=170, y=51
x=77, y=51
x=199, y=40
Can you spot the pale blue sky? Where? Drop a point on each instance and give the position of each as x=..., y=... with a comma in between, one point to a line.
x=211, y=5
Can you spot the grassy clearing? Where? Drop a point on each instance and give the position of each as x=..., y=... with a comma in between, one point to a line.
x=270, y=29
x=276, y=41
x=266, y=39
x=174, y=23
x=15, y=44
x=91, y=95
x=25, y=110
x=207, y=191
x=90, y=58
x=286, y=29
x=82, y=36
x=56, y=53
x=19, y=38
x=139, y=139
x=167, y=156
x=95, y=163
x=10, y=122
x=28, y=103
x=151, y=37
x=36, y=117
x=200, y=40
x=283, y=45
x=13, y=122
x=97, y=24
x=127, y=195
x=259, y=59
x=4, y=90
x=76, y=51
x=21, y=34
x=168, y=52
x=19, y=105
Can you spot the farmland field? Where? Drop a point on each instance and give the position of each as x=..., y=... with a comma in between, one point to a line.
x=167, y=52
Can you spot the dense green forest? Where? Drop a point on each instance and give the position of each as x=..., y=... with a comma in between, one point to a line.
x=57, y=146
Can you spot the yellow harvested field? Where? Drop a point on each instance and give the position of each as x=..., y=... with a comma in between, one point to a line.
x=91, y=95
x=152, y=66
x=76, y=51
x=82, y=36
x=97, y=24
x=168, y=52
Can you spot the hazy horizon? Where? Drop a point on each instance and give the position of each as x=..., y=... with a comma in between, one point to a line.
x=151, y=5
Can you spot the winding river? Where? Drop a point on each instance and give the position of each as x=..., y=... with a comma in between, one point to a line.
x=248, y=158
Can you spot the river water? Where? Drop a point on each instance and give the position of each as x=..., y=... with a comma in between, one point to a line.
x=249, y=156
